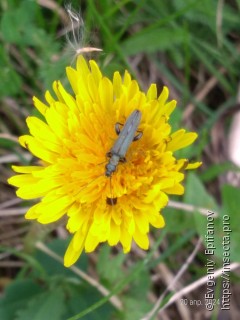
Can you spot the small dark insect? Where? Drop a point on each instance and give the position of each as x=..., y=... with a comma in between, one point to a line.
x=117, y=153
x=125, y=138
x=111, y=201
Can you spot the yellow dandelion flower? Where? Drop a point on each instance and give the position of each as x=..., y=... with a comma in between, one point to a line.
x=73, y=145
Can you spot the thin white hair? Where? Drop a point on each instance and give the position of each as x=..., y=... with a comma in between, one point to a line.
x=75, y=36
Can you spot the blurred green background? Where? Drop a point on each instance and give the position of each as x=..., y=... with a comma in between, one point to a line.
x=192, y=47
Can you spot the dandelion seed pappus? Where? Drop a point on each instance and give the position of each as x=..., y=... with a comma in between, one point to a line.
x=118, y=152
x=76, y=34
